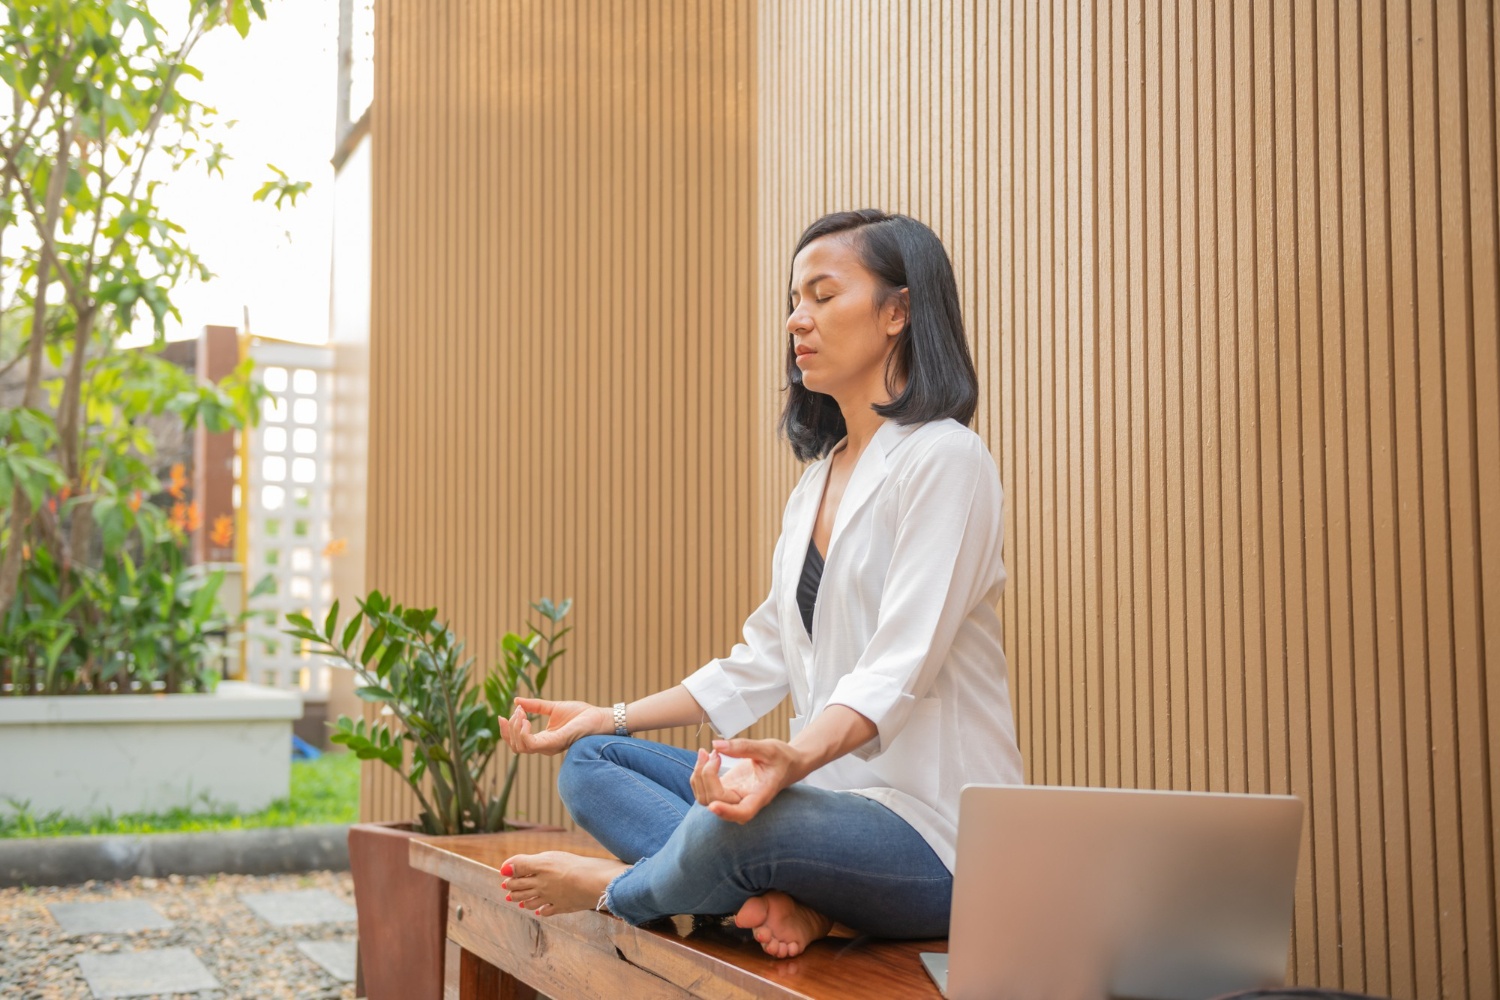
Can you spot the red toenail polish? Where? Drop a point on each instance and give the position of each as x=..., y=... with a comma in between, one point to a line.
x=507, y=898
x=506, y=869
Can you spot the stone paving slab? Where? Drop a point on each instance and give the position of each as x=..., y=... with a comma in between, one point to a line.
x=336, y=957
x=115, y=916
x=251, y=959
x=297, y=907
x=142, y=973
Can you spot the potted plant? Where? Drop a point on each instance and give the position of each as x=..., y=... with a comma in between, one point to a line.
x=439, y=732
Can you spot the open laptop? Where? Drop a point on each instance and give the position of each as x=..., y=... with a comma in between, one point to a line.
x=1087, y=893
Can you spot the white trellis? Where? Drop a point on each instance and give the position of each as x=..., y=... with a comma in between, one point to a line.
x=287, y=510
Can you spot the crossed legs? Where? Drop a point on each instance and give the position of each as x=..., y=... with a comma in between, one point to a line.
x=811, y=857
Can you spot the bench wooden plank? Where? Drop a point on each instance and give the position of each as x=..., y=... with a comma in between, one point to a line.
x=547, y=955
x=466, y=976
x=594, y=954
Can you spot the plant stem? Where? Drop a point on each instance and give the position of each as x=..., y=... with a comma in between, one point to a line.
x=463, y=782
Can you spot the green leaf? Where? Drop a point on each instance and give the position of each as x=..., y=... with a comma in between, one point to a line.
x=392, y=654
x=372, y=643
x=239, y=16
x=331, y=622
x=371, y=693
x=352, y=629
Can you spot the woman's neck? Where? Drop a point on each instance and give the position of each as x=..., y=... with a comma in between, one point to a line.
x=860, y=426
x=860, y=419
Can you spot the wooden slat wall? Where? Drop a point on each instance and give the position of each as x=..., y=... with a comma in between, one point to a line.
x=1231, y=279
x=1230, y=274
x=561, y=340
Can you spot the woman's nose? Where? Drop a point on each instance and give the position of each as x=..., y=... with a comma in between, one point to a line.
x=798, y=321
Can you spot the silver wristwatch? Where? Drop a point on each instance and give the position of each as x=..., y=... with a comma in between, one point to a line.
x=620, y=729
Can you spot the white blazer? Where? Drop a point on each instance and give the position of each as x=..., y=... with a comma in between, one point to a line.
x=905, y=632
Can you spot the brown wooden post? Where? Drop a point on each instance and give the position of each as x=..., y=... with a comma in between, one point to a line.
x=213, y=454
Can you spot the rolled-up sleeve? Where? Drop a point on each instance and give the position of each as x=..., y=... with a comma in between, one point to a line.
x=737, y=690
x=944, y=560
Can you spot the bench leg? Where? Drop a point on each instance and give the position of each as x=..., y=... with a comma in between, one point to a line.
x=466, y=976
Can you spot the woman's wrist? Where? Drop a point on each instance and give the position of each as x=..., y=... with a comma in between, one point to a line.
x=604, y=720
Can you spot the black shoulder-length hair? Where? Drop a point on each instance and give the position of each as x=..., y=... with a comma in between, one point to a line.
x=931, y=353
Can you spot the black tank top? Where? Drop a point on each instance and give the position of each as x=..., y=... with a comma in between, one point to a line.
x=807, y=587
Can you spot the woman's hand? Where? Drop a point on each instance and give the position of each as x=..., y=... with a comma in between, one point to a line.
x=765, y=768
x=567, y=722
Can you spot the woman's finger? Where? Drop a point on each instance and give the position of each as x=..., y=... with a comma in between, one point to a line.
x=508, y=734
x=534, y=706
x=516, y=718
x=711, y=782
x=761, y=750
x=754, y=749
x=743, y=810
x=696, y=780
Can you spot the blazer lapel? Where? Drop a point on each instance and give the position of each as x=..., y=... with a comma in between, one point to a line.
x=804, y=514
x=869, y=472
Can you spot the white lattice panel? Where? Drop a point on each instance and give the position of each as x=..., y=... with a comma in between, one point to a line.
x=288, y=511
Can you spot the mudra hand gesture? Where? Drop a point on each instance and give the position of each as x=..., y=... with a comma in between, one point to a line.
x=765, y=768
x=567, y=722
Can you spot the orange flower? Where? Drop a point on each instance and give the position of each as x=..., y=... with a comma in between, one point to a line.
x=135, y=502
x=179, y=481
x=52, y=504
x=25, y=551
x=179, y=516
x=67, y=491
x=335, y=547
x=223, y=532
x=194, y=517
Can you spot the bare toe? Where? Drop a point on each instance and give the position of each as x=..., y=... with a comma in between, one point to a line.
x=783, y=926
x=753, y=913
x=557, y=882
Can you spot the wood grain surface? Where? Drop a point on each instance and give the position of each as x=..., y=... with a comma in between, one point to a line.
x=596, y=954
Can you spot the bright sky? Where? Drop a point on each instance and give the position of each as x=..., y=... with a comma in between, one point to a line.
x=281, y=84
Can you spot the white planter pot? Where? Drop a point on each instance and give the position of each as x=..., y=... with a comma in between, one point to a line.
x=85, y=754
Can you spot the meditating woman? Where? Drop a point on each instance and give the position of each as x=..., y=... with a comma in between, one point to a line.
x=881, y=625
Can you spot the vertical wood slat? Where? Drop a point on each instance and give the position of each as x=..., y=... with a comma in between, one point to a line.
x=552, y=317
x=1230, y=278
x=1277, y=609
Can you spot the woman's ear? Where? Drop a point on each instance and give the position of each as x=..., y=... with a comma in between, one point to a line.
x=897, y=312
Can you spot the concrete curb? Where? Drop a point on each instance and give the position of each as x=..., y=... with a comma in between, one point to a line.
x=271, y=851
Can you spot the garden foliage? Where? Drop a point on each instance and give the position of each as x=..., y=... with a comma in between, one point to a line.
x=95, y=593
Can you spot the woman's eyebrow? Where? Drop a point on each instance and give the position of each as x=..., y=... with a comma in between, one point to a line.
x=810, y=282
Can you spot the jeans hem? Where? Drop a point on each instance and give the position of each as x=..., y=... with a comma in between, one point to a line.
x=606, y=901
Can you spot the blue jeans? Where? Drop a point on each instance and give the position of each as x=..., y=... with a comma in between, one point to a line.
x=846, y=856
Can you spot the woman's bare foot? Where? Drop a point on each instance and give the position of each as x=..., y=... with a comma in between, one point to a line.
x=783, y=926
x=557, y=882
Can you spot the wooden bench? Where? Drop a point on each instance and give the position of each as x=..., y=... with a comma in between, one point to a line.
x=497, y=951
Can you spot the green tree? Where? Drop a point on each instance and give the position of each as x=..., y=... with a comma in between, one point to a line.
x=93, y=97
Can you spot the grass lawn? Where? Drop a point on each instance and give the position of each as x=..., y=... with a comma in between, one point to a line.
x=325, y=790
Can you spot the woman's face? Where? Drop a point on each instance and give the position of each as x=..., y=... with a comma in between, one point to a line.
x=840, y=326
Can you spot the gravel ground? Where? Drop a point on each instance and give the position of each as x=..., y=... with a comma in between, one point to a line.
x=249, y=957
